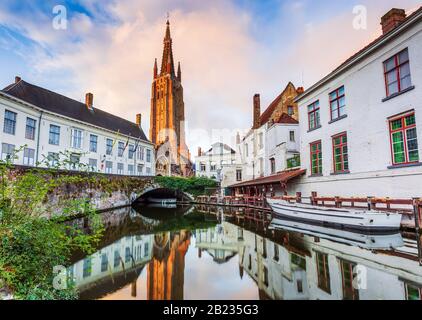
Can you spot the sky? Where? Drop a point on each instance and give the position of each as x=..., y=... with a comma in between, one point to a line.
x=229, y=50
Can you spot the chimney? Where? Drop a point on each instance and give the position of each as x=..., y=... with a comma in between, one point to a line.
x=89, y=100
x=300, y=90
x=392, y=19
x=256, y=111
x=238, y=138
x=199, y=151
x=17, y=79
x=139, y=119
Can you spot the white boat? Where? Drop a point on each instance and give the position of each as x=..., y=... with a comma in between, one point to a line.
x=162, y=201
x=357, y=239
x=345, y=218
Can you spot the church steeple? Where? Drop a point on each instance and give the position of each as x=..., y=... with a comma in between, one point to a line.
x=167, y=64
x=179, y=73
x=155, y=69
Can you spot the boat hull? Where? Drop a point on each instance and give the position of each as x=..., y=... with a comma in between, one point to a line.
x=348, y=219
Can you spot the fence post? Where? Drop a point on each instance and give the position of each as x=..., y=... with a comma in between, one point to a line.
x=371, y=205
x=337, y=202
x=314, y=194
x=299, y=197
x=417, y=211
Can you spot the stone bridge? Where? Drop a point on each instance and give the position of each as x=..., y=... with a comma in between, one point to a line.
x=103, y=190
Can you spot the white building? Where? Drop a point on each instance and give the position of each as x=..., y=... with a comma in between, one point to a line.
x=52, y=127
x=210, y=163
x=359, y=125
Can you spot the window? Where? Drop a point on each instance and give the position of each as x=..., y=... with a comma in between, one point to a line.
x=140, y=169
x=213, y=167
x=121, y=149
x=141, y=153
x=337, y=103
x=413, y=292
x=261, y=140
x=116, y=258
x=299, y=285
x=109, y=167
x=316, y=158
x=130, y=169
x=203, y=167
x=28, y=157
x=264, y=248
x=53, y=159
x=93, y=143
x=313, y=116
x=323, y=272
x=148, y=155
x=238, y=175
x=347, y=275
x=146, y=249
x=290, y=110
x=87, y=267
x=104, y=262
x=397, y=73
x=30, y=129
x=340, y=153
x=127, y=254
x=131, y=151
x=7, y=151
x=404, y=141
x=54, y=137
x=276, y=252
x=74, y=161
x=120, y=168
x=109, y=147
x=77, y=138
x=265, y=276
x=93, y=165
x=272, y=165
x=292, y=136
x=148, y=171
x=10, y=122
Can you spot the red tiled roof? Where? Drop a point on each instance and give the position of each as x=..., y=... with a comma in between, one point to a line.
x=282, y=177
x=286, y=119
x=374, y=42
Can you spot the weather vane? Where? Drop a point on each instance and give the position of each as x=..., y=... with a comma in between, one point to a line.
x=168, y=15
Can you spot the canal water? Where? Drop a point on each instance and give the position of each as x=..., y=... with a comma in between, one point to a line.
x=213, y=253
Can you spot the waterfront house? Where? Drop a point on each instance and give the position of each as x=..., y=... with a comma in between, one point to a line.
x=360, y=124
x=271, y=147
x=56, y=128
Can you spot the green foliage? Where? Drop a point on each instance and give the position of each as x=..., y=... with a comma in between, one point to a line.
x=195, y=186
x=32, y=243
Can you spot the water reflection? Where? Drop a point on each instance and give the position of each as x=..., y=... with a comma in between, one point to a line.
x=205, y=253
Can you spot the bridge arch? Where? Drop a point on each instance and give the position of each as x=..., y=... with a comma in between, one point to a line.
x=158, y=193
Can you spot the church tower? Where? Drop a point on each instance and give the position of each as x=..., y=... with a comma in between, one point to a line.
x=167, y=127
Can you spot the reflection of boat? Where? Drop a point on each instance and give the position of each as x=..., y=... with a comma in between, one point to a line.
x=363, y=240
x=163, y=205
x=163, y=201
x=348, y=218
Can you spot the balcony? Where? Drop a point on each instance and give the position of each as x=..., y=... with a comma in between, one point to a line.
x=293, y=162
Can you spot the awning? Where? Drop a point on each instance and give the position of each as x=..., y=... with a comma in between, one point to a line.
x=282, y=177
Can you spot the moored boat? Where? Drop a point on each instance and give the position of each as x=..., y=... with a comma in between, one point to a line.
x=162, y=201
x=341, y=217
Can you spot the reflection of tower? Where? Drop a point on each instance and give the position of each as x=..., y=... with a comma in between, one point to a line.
x=167, y=268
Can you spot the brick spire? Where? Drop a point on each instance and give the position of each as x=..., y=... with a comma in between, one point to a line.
x=155, y=69
x=167, y=63
x=179, y=73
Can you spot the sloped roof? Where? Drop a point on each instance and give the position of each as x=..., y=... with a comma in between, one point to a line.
x=227, y=147
x=284, y=177
x=59, y=104
x=286, y=119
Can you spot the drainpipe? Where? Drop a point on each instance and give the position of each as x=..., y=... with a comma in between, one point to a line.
x=38, y=138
